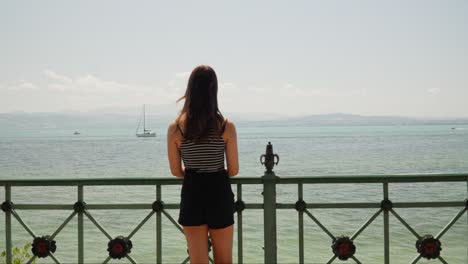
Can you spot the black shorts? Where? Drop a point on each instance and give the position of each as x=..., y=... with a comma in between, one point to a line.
x=206, y=198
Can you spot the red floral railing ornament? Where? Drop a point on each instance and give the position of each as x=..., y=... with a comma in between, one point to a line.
x=119, y=247
x=42, y=246
x=343, y=247
x=429, y=247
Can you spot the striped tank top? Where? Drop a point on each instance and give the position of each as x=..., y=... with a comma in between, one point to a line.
x=204, y=156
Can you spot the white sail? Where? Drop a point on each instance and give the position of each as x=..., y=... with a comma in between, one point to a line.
x=146, y=132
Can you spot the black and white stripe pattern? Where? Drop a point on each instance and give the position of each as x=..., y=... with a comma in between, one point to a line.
x=205, y=156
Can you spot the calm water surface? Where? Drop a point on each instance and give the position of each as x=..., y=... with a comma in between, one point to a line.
x=304, y=151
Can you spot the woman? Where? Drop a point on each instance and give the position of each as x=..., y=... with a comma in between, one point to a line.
x=201, y=137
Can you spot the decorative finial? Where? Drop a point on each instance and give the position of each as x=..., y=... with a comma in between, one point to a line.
x=269, y=158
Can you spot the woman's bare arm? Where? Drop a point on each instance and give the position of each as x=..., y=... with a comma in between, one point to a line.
x=232, y=156
x=173, y=152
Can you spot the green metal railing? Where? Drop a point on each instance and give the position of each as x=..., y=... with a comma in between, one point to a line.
x=343, y=246
x=269, y=181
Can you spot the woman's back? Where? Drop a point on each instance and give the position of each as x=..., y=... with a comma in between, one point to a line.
x=207, y=200
x=207, y=155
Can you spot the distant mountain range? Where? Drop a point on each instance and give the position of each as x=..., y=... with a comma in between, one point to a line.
x=340, y=119
x=158, y=117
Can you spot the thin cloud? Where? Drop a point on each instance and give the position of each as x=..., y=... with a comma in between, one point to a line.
x=171, y=83
x=227, y=85
x=434, y=91
x=256, y=89
x=87, y=91
x=176, y=86
x=359, y=92
x=182, y=75
x=57, y=77
x=90, y=84
x=291, y=90
x=22, y=86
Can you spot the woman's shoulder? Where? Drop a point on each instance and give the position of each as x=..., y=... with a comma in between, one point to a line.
x=174, y=126
x=229, y=123
x=229, y=128
x=178, y=121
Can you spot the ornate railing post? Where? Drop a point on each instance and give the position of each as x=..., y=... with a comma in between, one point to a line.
x=79, y=207
x=386, y=205
x=269, y=204
x=6, y=207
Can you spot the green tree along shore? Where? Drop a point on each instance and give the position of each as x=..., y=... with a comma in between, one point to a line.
x=20, y=255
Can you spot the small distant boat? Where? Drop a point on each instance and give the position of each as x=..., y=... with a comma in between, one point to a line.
x=146, y=132
x=76, y=133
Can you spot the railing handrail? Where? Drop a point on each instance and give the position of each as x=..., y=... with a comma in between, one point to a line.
x=379, y=178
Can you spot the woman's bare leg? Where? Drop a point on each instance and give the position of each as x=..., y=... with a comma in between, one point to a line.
x=197, y=242
x=222, y=244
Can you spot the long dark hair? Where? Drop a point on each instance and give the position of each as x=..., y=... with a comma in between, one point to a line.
x=201, y=104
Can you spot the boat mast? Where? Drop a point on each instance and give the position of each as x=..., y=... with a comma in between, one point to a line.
x=138, y=127
x=144, y=120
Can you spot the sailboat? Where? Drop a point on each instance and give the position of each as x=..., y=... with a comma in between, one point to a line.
x=146, y=132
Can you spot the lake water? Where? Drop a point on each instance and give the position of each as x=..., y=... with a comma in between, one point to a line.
x=304, y=151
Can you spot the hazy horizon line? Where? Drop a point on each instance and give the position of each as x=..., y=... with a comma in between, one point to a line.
x=289, y=115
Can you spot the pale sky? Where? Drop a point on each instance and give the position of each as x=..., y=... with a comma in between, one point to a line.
x=405, y=57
